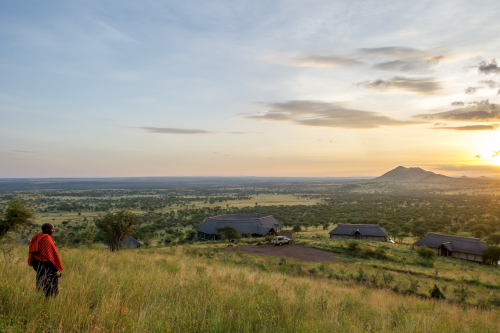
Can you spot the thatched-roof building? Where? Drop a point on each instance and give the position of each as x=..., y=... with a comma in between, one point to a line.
x=466, y=248
x=128, y=243
x=360, y=231
x=257, y=225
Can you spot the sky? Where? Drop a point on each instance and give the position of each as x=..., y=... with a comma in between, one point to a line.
x=248, y=88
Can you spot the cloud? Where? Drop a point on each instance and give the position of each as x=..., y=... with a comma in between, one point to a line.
x=491, y=68
x=167, y=130
x=325, y=114
x=108, y=119
x=325, y=61
x=481, y=111
x=22, y=151
x=408, y=65
x=490, y=83
x=392, y=58
x=457, y=103
x=471, y=90
x=427, y=86
x=490, y=127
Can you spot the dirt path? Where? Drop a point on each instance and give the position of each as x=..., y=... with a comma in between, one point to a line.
x=290, y=251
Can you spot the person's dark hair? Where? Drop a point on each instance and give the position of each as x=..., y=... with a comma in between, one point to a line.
x=47, y=226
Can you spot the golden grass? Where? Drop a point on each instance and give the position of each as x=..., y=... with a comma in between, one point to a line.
x=161, y=290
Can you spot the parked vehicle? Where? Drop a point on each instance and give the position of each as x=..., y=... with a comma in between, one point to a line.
x=279, y=240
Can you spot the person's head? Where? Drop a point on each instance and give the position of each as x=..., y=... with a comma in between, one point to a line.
x=48, y=228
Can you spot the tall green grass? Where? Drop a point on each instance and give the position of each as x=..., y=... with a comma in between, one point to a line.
x=161, y=290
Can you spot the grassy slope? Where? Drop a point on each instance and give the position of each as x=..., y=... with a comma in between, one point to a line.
x=166, y=290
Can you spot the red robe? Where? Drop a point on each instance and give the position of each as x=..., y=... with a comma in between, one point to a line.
x=42, y=248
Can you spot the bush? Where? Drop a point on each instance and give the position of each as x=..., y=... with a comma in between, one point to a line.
x=352, y=245
x=427, y=256
x=491, y=254
x=380, y=253
x=426, y=253
x=435, y=292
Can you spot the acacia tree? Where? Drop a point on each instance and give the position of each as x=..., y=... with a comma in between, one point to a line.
x=117, y=227
x=16, y=214
x=228, y=232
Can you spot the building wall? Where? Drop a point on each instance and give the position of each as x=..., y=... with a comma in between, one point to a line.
x=464, y=256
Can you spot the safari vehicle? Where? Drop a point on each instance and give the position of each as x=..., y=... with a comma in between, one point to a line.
x=279, y=240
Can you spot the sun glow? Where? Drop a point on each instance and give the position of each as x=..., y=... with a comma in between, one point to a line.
x=487, y=152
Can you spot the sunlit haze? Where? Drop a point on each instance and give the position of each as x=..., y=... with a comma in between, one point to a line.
x=248, y=88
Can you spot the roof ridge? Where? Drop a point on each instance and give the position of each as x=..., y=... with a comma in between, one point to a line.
x=370, y=225
x=461, y=237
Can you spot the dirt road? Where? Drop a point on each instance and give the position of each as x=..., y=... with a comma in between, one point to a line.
x=290, y=251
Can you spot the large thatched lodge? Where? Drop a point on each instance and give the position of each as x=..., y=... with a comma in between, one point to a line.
x=360, y=231
x=466, y=248
x=255, y=225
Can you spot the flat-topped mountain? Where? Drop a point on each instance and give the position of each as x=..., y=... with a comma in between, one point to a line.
x=411, y=175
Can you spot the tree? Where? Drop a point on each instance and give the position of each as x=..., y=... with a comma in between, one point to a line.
x=491, y=254
x=117, y=227
x=419, y=232
x=190, y=235
x=228, y=232
x=326, y=225
x=16, y=214
x=495, y=238
x=297, y=228
x=479, y=234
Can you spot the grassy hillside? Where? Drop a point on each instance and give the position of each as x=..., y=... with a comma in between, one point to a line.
x=206, y=289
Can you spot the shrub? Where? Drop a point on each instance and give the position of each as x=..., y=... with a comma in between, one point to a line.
x=380, y=253
x=352, y=245
x=494, y=299
x=491, y=254
x=414, y=284
x=427, y=256
x=435, y=292
x=426, y=253
x=462, y=293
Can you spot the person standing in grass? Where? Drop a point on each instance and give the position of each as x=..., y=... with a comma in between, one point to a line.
x=44, y=259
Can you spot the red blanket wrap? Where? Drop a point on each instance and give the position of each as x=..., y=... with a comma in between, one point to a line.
x=42, y=248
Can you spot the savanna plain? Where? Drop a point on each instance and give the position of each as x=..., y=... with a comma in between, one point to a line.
x=177, y=283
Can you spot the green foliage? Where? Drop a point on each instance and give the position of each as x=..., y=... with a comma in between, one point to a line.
x=426, y=253
x=435, y=292
x=353, y=245
x=462, y=293
x=491, y=254
x=117, y=227
x=228, y=232
x=427, y=256
x=190, y=235
x=494, y=238
x=479, y=234
x=494, y=299
x=297, y=228
x=17, y=214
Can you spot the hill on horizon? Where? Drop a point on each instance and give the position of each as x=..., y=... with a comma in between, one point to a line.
x=411, y=175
